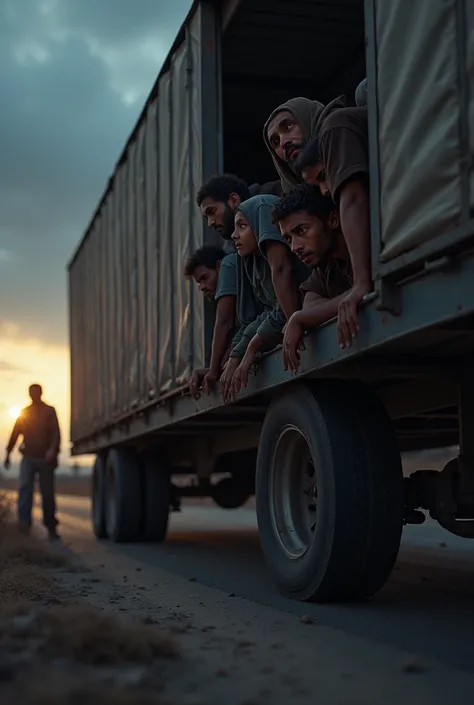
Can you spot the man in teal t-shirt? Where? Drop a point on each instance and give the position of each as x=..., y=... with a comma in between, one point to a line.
x=215, y=274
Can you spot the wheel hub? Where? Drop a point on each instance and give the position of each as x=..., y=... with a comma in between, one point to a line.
x=293, y=493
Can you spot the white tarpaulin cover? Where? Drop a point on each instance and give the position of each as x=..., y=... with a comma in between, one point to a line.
x=419, y=115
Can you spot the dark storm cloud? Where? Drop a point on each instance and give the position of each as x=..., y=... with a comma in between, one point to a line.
x=127, y=20
x=64, y=123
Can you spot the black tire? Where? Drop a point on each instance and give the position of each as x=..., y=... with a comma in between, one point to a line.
x=156, y=498
x=124, y=496
x=98, y=496
x=354, y=538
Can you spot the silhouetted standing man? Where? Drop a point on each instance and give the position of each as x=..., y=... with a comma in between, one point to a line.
x=38, y=424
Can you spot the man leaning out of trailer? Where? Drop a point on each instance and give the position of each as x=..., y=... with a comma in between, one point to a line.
x=310, y=224
x=214, y=272
x=341, y=134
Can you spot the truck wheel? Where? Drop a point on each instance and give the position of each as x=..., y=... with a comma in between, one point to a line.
x=124, y=505
x=156, y=498
x=99, y=498
x=329, y=492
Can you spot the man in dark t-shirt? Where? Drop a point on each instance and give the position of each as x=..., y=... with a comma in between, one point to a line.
x=341, y=135
x=338, y=154
x=39, y=427
x=215, y=273
x=310, y=224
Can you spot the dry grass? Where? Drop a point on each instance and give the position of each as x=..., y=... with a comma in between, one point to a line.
x=57, y=652
x=5, y=509
x=23, y=559
x=16, y=548
x=20, y=584
x=91, y=657
x=90, y=637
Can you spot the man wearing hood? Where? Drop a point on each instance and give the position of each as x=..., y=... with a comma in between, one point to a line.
x=343, y=173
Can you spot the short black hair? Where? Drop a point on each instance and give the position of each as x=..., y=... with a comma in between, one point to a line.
x=221, y=187
x=305, y=198
x=309, y=156
x=207, y=256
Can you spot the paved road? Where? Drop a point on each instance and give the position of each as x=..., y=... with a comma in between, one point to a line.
x=426, y=610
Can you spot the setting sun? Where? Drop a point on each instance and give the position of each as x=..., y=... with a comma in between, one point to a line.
x=14, y=412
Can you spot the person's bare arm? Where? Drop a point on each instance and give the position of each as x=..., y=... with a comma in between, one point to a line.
x=266, y=337
x=344, y=153
x=241, y=374
x=15, y=434
x=286, y=289
x=355, y=224
x=12, y=442
x=224, y=325
x=316, y=311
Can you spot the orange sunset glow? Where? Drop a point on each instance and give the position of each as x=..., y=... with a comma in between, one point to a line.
x=15, y=411
x=23, y=361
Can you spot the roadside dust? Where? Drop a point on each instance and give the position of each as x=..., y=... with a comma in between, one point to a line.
x=55, y=649
x=23, y=560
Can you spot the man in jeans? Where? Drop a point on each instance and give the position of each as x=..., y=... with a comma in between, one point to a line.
x=38, y=424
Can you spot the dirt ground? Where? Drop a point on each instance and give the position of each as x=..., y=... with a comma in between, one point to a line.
x=55, y=648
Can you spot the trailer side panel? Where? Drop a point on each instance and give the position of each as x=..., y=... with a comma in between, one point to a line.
x=422, y=59
x=135, y=324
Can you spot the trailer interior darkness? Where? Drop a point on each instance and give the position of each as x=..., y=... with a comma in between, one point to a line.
x=273, y=50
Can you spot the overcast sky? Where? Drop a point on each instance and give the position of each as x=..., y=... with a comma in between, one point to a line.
x=74, y=75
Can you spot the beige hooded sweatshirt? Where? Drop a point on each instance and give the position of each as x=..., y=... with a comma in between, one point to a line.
x=310, y=115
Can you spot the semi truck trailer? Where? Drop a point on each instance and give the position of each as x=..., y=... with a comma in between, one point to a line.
x=320, y=449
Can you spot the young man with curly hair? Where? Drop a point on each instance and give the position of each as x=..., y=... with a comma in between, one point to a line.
x=310, y=224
